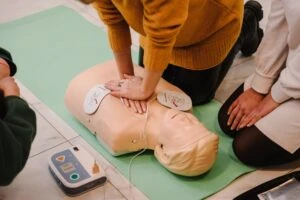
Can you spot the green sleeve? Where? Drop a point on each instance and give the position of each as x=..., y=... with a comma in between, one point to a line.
x=17, y=131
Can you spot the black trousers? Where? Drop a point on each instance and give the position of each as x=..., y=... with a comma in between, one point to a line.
x=200, y=85
x=250, y=145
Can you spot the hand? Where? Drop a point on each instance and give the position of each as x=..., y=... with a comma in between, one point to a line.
x=130, y=91
x=137, y=106
x=9, y=86
x=266, y=106
x=243, y=106
x=4, y=69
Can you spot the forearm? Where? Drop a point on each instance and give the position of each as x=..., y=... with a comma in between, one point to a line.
x=288, y=84
x=4, y=68
x=271, y=57
x=124, y=62
x=162, y=26
x=117, y=28
x=150, y=81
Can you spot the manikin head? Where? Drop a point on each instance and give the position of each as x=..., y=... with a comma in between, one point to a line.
x=185, y=146
x=180, y=141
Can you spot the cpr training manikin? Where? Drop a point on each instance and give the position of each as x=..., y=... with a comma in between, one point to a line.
x=180, y=141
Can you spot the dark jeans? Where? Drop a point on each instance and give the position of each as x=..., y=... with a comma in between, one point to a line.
x=250, y=145
x=200, y=85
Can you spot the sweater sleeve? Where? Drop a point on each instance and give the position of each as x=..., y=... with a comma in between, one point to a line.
x=162, y=22
x=272, y=52
x=288, y=84
x=18, y=129
x=117, y=28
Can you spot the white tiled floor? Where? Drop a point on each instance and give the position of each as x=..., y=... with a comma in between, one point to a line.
x=35, y=182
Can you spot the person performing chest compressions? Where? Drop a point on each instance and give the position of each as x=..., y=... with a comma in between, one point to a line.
x=181, y=143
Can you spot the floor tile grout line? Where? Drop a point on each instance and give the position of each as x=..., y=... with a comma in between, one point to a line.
x=66, y=141
x=43, y=151
x=52, y=125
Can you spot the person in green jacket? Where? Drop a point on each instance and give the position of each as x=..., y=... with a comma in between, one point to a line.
x=17, y=123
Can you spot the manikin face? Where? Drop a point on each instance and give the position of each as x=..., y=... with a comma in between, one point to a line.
x=179, y=129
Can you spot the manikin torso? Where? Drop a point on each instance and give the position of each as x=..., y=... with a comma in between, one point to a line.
x=119, y=128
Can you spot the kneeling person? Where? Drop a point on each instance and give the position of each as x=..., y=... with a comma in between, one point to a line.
x=17, y=123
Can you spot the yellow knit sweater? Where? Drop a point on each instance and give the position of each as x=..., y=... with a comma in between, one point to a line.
x=194, y=34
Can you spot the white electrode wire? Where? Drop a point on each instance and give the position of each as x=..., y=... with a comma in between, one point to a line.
x=143, y=137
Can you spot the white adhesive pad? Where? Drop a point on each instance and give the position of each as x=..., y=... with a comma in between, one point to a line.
x=175, y=100
x=94, y=97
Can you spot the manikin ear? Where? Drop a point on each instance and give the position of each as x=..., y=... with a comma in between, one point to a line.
x=176, y=161
x=160, y=154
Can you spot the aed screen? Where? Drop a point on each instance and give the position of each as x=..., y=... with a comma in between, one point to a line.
x=67, y=167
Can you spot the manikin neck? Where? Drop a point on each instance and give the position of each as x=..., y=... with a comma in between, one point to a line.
x=155, y=117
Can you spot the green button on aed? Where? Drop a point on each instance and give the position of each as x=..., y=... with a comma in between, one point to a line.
x=74, y=176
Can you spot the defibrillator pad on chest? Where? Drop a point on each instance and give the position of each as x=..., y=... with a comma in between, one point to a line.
x=174, y=100
x=94, y=97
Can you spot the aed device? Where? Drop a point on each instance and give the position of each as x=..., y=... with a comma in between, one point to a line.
x=76, y=171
